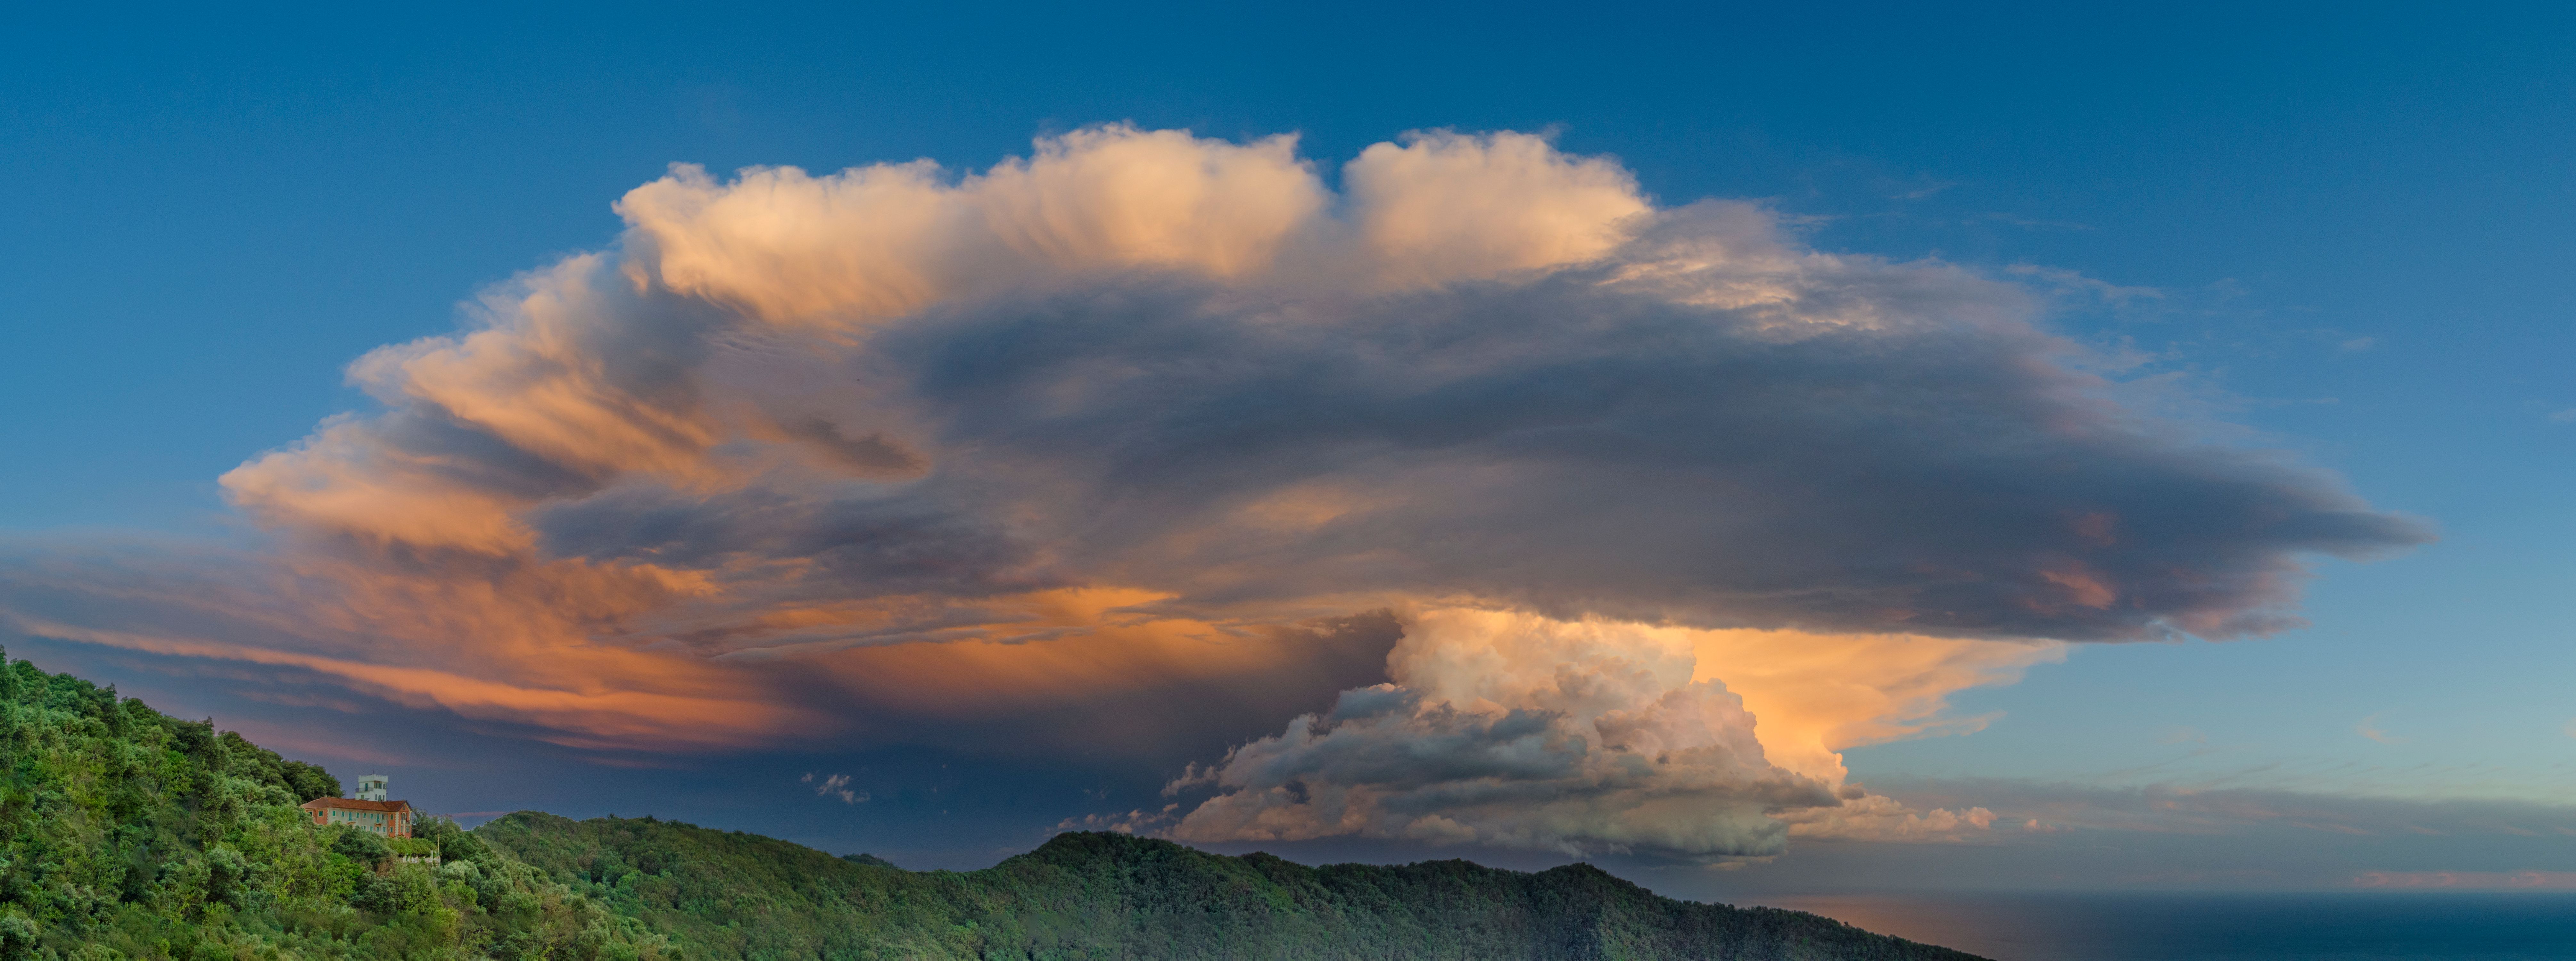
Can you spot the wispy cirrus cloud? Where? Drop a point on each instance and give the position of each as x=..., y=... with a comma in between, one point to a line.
x=835, y=785
x=2369, y=727
x=2468, y=880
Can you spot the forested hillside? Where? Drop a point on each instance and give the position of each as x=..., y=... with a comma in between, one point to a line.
x=1097, y=895
x=125, y=833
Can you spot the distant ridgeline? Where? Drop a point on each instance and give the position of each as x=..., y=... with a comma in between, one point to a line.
x=125, y=833
x=1099, y=895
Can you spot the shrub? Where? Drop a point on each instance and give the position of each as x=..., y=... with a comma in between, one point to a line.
x=364, y=847
x=413, y=847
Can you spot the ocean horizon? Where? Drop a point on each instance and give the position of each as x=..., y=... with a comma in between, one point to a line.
x=2355, y=926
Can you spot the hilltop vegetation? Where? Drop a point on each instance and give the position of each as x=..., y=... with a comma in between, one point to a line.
x=126, y=833
x=1098, y=895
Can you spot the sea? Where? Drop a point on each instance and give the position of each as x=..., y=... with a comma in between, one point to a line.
x=2372, y=926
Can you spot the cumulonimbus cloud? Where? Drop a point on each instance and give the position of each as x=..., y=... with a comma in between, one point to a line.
x=1146, y=409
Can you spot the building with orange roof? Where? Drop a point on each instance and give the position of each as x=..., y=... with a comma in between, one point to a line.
x=368, y=810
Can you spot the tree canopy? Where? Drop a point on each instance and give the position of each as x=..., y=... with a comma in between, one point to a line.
x=126, y=833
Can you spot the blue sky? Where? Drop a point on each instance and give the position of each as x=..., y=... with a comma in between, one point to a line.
x=2335, y=233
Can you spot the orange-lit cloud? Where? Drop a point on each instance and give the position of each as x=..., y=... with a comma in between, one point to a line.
x=1621, y=726
x=1146, y=421
x=1821, y=694
x=1510, y=729
x=1442, y=206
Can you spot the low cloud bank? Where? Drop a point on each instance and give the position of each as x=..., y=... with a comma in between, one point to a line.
x=2022, y=809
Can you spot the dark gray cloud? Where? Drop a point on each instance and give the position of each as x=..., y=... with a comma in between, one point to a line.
x=1123, y=429
x=1570, y=444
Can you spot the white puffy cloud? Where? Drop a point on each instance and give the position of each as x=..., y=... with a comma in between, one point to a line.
x=843, y=251
x=1510, y=729
x=1585, y=736
x=1442, y=206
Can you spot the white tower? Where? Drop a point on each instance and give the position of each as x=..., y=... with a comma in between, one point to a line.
x=371, y=787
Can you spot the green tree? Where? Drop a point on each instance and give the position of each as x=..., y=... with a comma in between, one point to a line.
x=126, y=833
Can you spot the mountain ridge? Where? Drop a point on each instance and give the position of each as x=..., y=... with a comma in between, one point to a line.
x=126, y=833
x=1101, y=895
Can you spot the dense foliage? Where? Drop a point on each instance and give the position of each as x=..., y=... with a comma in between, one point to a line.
x=125, y=833
x=718, y=894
